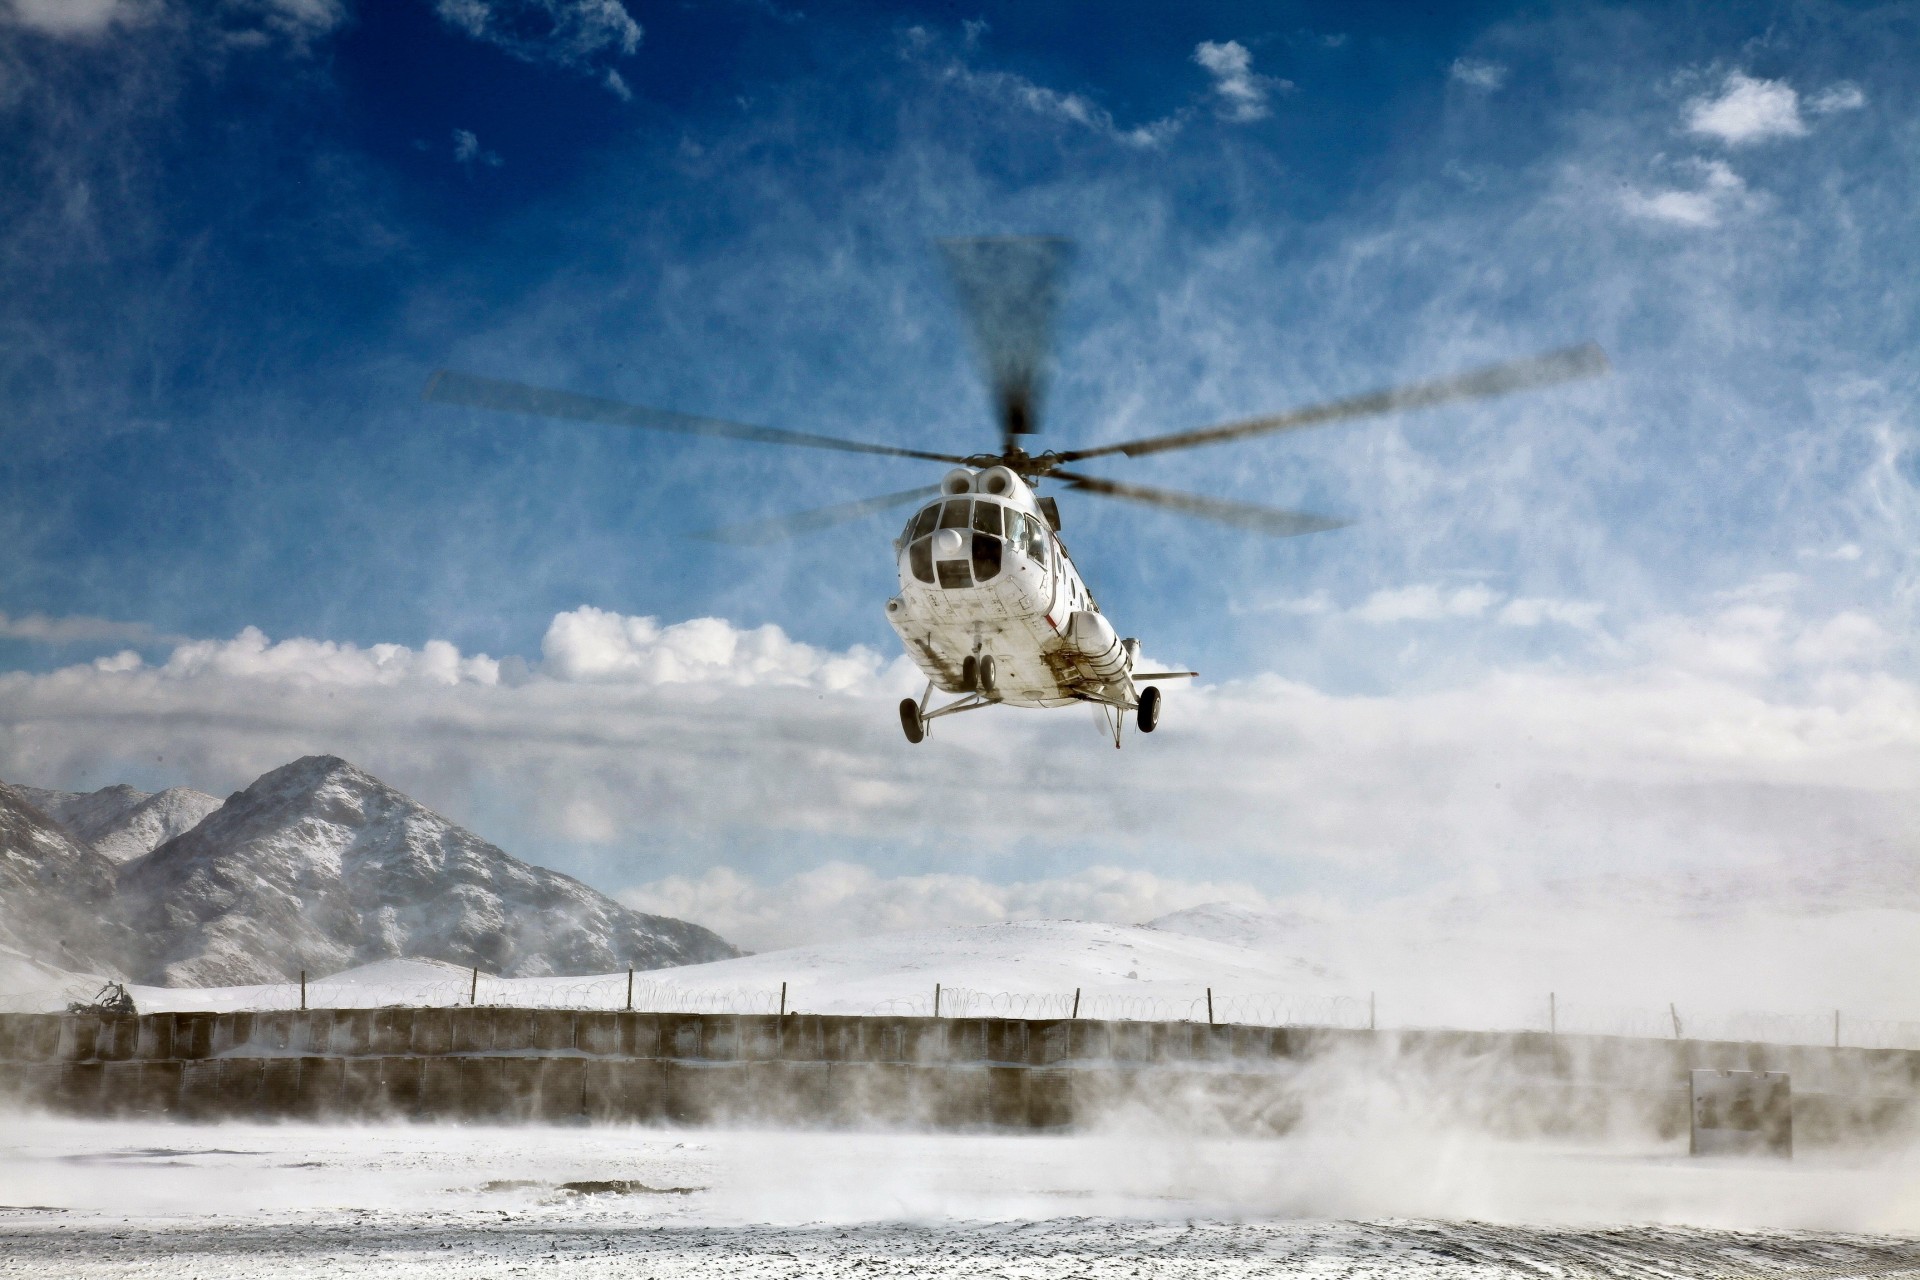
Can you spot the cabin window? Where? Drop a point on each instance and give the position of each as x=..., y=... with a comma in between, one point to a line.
x=953, y=573
x=920, y=557
x=986, y=517
x=955, y=515
x=986, y=557
x=1017, y=529
x=923, y=524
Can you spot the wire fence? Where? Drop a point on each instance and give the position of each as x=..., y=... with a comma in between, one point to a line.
x=644, y=993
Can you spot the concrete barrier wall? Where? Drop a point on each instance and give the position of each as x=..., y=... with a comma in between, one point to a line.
x=538, y=1065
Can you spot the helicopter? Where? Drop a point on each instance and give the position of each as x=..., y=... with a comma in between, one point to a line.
x=991, y=606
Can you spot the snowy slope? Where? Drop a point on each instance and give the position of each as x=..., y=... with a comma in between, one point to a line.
x=121, y=823
x=54, y=891
x=320, y=866
x=1018, y=966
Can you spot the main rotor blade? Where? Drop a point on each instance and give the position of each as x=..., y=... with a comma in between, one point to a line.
x=448, y=387
x=758, y=533
x=1566, y=365
x=1009, y=287
x=1242, y=515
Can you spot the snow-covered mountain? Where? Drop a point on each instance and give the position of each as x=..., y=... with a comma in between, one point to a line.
x=320, y=866
x=122, y=824
x=56, y=894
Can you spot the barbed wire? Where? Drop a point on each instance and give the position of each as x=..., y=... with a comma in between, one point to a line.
x=618, y=991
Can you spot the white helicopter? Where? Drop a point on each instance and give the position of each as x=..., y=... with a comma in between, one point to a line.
x=991, y=607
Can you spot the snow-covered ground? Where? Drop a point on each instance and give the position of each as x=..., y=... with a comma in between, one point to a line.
x=94, y=1199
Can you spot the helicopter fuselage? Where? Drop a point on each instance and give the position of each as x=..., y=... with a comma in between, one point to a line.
x=984, y=574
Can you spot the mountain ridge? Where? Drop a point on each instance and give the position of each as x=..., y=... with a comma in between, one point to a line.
x=315, y=866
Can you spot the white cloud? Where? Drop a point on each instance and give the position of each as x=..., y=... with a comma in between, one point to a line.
x=1748, y=731
x=1718, y=192
x=1242, y=94
x=842, y=900
x=1839, y=97
x=1747, y=110
x=1478, y=73
x=250, y=656
x=593, y=645
x=570, y=33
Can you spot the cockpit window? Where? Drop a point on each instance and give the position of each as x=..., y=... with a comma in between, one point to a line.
x=923, y=523
x=920, y=558
x=986, y=557
x=1037, y=543
x=986, y=517
x=955, y=515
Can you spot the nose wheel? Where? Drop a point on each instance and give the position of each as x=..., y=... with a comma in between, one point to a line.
x=910, y=722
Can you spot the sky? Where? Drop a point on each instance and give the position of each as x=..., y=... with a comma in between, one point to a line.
x=1658, y=622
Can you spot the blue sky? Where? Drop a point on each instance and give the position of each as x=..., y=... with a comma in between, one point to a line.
x=236, y=236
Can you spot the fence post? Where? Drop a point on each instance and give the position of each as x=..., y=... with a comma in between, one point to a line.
x=303, y=1004
x=783, y=999
x=1076, y=1005
x=1553, y=1015
x=936, y=999
x=629, y=988
x=1372, y=1025
x=1209, y=1006
x=1836, y=1028
x=473, y=989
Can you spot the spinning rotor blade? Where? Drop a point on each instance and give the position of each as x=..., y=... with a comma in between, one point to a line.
x=448, y=387
x=758, y=533
x=1566, y=365
x=1242, y=515
x=1009, y=288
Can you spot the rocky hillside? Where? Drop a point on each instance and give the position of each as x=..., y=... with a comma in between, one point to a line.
x=122, y=824
x=56, y=894
x=320, y=866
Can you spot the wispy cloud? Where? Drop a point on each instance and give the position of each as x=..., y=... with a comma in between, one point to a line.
x=468, y=152
x=1478, y=73
x=71, y=17
x=43, y=629
x=577, y=34
x=1716, y=193
x=1240, y=94
x=1431, y=602
x=1010, y=89
x=1839, y=97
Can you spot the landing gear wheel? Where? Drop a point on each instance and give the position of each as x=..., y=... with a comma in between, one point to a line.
x=1149, y=708
x=910, y=722
x=970, y=674
x=984, y=674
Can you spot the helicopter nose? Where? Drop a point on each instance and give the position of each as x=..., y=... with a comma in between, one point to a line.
x=947, y=544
